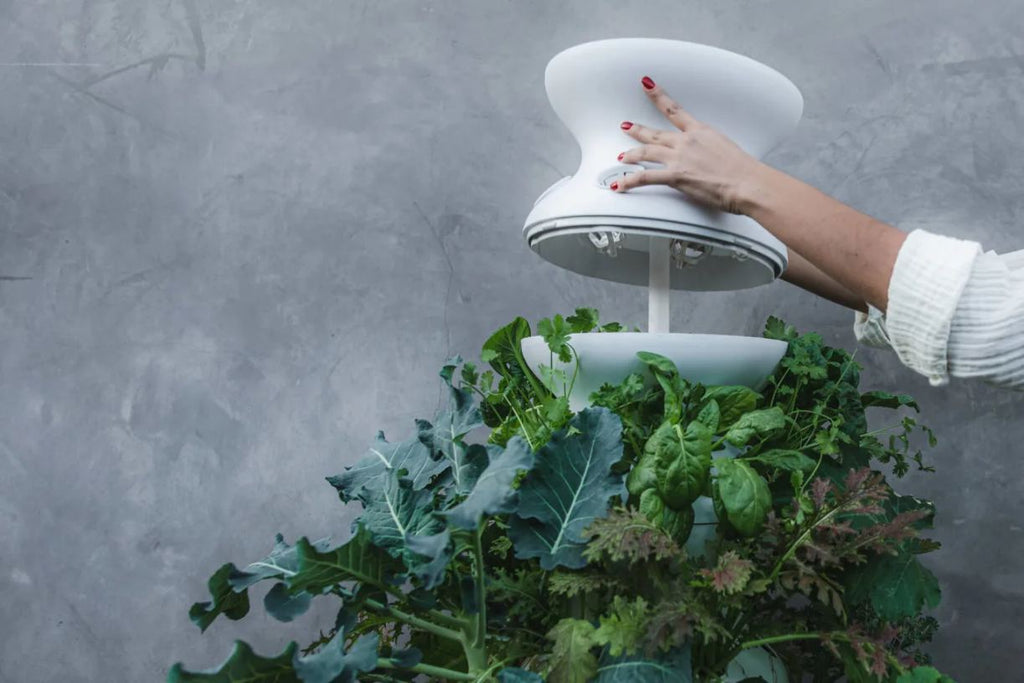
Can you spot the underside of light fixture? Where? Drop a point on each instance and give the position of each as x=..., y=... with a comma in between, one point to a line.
x=580, y=224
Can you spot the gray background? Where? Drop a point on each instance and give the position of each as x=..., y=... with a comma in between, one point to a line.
x=237, y=238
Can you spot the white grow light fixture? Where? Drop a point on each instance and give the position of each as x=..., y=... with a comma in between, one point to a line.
x=655, y=235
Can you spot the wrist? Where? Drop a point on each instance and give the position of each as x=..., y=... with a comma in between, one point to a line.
x=755, y=188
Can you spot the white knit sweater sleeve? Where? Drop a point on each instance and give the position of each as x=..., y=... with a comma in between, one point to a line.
x=953, y=311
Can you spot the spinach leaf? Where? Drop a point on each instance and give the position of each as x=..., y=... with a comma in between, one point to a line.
x=733, y=402
x=744, y=494
x=683, y=461
x=757, y=424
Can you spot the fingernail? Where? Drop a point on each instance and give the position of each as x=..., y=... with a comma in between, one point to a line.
x=626, y=125
x=621, y=155
x=648, y=83
x=614, y=186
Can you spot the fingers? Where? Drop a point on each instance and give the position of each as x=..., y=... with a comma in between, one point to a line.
x=681, y=118
x=656, y=153
x=651, y=136
x=645, y=177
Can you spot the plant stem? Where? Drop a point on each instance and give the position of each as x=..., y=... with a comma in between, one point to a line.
x=526, y=431
x=480, y=633
x=428, y=669
x=575, y=370
x=440, y=617
x=771, y=401
x=412, y=620
x=538, y=389
x=800, y=539
x=781, y=639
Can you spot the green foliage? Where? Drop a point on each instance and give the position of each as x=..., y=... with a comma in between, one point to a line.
x=897, y=586
x=744, y=495
x=332, y=664
x=567, y=489
x=629, y=535
x=757, y=424
x=923, y=674
x=674, y=667
x=244, y=665
x=493, y=492
x=358, y=560
x=623, y=627
x=733, y=403
x=682, y=460
x=571, y=658
x=384, y=461
x=234, y=605
x=514, y=674
x=555, y=551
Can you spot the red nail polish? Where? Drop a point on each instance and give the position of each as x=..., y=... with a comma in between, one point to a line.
x=614, y=186
x=621, y=155
x=626, y=125
x=648, y=83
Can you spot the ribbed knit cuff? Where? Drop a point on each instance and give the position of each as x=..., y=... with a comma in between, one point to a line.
x=869, y=328
x=927, y=281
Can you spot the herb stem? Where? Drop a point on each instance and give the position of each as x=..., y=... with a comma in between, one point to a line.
x=522, y=423
x=883, y=429
x=429, y=669
x=800, y=539
x=771, y=401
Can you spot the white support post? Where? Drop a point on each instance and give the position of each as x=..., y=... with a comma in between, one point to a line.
x=659, y=291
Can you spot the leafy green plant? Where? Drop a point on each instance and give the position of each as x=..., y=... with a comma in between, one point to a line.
x=556, y=548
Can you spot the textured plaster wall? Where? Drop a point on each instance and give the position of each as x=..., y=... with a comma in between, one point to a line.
x=238, y=237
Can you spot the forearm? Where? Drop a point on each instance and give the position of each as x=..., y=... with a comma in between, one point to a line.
x=854, y=250
x=806, y=275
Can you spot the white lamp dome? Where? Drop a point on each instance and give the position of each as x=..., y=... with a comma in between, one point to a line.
x=581, y=225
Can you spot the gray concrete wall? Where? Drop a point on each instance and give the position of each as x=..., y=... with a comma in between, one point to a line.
x=237, y=238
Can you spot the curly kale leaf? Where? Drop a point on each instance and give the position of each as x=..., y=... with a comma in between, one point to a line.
x=403, y=521
x=332, y=664
x=568, y=488
x=232, y=604
x=672, y=667
x=515, y=674
x=444, y=438
x=384, y=460
x=493, y=492
x=229, y=587
x=357, y=560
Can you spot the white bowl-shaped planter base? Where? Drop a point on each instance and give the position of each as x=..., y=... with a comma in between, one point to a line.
x=609, y=357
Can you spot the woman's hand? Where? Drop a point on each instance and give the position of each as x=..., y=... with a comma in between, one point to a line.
x=698, y=160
